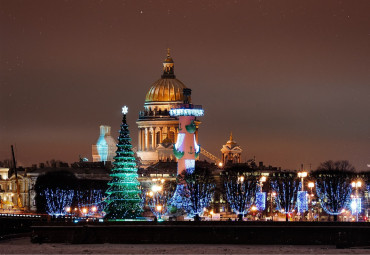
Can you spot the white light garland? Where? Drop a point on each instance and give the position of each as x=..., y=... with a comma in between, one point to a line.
x=186, y=112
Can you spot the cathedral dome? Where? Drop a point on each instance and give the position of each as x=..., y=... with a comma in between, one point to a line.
x=165, y=90
x=168, y=88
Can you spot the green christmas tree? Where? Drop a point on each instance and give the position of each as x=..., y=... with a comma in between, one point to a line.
x=123, y=201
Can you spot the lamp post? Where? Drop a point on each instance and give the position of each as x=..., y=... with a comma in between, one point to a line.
x=310, y=185
x=357, y=185
x=302, y=175
x=155, y=189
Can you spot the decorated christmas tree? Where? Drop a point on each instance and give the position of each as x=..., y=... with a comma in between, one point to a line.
x=123, y=201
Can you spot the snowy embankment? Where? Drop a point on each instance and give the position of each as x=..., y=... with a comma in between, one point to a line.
x=24, y=246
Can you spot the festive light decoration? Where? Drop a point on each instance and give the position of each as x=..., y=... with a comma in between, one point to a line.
x=180, y=141
x=240, y=193
x=191, y=128
x=158, y=199
x=355, y=205
x=334, y=195
x=286, y=189
x=90, y=198
x=180, y=198
x=261, y=201
x=186, y=112
x=196, y=193
x=58, y=200
x=196, y=146
x=302, y=203
x=190, y=165
x=123, y=201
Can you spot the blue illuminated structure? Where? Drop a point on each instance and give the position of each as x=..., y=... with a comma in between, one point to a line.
x=355, y=205
x=261, y=201
x=302, y=202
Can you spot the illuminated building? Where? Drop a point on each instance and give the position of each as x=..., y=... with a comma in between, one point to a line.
x=8, y=191
x=157, y=129
x=105, y=147
x=231, y=152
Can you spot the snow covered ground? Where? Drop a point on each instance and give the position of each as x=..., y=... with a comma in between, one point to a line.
x=24, y=246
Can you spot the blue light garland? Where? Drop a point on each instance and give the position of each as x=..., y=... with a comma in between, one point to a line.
x=286, y=197
x=58, y=200
x=334, y=197
x=302, y=203
x=261, y=201
x=240, y=194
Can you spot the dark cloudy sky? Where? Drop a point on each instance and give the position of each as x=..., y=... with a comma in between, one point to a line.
x=291, y=79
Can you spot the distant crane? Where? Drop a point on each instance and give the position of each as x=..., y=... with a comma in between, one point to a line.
x=19, y=202
x=211, y=156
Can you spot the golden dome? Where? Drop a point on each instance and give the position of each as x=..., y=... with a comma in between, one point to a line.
x=166, y=90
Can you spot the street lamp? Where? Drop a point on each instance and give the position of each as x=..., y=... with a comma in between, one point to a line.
x=302, y=175
x=241, y=179
x=356, y=186
x=302, y=198
x=311, y=185
x=262, y=180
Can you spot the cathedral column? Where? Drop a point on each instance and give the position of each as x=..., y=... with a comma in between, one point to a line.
x=160, y=134
x=142, y=132
x=139, y=140
x=146, y=139
x=153, y=135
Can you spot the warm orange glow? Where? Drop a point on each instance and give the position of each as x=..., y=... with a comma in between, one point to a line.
x=311, y=184
x=302, y=174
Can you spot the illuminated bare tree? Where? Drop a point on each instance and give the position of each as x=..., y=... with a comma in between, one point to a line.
x=333, y=185
x=240, y=193
x=286, y=187
x=158, y=197
x=198, y=191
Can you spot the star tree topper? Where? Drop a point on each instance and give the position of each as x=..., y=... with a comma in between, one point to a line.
x=125, y=110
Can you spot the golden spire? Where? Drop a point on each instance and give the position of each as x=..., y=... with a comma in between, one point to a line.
x=168, y=52
x=231, y=135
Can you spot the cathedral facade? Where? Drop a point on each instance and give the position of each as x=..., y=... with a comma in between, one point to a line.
x=157, y=130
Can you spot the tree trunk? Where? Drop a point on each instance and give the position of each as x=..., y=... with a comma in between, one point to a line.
x=240, y=217
x=335, y=218
x=196, y=217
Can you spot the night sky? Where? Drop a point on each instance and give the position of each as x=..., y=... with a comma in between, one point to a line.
x=290, y=79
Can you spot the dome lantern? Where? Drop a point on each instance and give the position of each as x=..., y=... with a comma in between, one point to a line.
x=168, y=67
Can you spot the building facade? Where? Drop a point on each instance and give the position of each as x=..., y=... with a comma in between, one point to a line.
x=231, y=152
